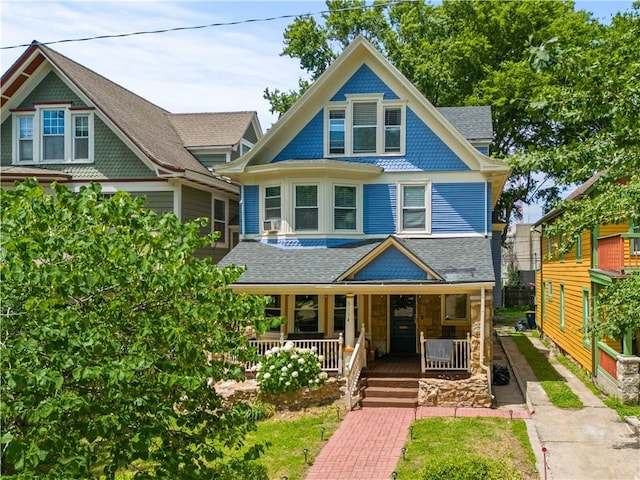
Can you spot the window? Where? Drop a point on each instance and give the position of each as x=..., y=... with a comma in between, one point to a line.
x=337, y=131
x=635, y=242
x=456, y=308
x=549, y=251
x=561, y=306
x=274, y=309
x=414, y=208
x=272, y=203
x=53, y=135
x=340, y=312
x=392, y=129
x=245, y=146
x=306, y=207
x=220, y=219
x=25, y=139
x=586, y=317
x=305, y=313
x=364, y=125
x=543, y=300
x=549, y=291
x=344, y=207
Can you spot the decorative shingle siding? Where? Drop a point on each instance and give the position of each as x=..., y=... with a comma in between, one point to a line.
x=426, y=151
x=307, y=144
x=391, y=265
x=364, y=81
x=251, y=210
x=5, y=142
x=458, y=208
x=161, y=202
x=380, y=201
x=51, y=89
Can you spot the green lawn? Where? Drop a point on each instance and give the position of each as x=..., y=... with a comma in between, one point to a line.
x=552, y=382
x=509, y=316
x=440, y=442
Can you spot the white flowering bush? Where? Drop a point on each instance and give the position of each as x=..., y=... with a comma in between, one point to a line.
x=287, y=368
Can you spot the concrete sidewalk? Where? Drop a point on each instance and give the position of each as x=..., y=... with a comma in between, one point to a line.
x=590, y=443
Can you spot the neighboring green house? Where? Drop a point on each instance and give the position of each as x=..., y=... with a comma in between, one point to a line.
x=63, y=122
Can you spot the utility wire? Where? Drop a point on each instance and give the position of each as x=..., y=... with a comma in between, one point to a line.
x=211, y=25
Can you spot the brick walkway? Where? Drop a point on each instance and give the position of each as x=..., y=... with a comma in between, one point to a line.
x=367, y=445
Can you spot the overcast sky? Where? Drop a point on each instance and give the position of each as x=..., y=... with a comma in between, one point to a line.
x=224, y=68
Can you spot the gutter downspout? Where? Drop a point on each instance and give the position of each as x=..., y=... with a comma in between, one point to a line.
x=482, y=332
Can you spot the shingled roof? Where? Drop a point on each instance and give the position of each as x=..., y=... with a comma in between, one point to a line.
x=474, y=123
x=211, y=129
x=456, y=260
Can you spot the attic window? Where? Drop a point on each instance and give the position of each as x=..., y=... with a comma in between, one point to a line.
x=364, y=125
x=53, y=134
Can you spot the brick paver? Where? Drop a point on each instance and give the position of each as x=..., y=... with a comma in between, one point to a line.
x=368, y=443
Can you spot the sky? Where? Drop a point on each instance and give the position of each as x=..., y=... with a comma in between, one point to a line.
x=216, y=69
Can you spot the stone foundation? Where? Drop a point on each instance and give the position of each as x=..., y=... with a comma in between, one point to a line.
x=248, y=391
x=471, y=392
x=628, y=388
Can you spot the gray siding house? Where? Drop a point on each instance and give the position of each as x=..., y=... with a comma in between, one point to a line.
x=63, y=122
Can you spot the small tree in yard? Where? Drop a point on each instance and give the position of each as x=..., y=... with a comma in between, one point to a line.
x=108, y=323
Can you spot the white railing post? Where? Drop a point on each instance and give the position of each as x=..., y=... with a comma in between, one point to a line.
x=340, y=355
x=423, y=367
x=468, y=349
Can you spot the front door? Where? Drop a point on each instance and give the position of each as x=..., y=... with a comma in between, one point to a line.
x=403, y=323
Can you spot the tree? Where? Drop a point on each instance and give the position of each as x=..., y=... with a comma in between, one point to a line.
x=111, y=331
x=458, y=53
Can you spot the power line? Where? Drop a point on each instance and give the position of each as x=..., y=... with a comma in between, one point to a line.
x=210, y=25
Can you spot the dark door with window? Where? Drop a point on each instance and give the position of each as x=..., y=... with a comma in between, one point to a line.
x=403, y=323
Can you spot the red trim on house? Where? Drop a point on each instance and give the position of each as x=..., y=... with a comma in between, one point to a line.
x=15, y=86
x=82, y=108
x=35, y=63
x=18, y=64
x=608, y=364
x=18, y=110
x=52, y=103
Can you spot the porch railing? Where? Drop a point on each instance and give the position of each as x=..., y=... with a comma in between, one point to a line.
x=329, y=348
x=353, y=370
x=613, y=255
x=460, y=358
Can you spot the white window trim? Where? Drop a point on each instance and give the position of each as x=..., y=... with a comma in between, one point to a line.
x=263, y=205
x=295, y=203
x=291, y=309
x=69, y=115
x=245, y=143
x=218, y=242
x=427, y=206
x=348, y=134
x=454, y=321
x=332, y=305
x=333, y=207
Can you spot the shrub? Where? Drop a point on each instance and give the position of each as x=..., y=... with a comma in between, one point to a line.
x=469, y=468
x=289, y=368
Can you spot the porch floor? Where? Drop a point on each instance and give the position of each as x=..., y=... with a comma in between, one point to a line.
x=406, y=365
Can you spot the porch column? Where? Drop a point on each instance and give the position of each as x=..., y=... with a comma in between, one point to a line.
x=350, y=323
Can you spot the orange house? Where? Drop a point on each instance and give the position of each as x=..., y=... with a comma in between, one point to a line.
x=567, y=287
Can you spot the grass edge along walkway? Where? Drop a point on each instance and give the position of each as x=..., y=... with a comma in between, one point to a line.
x=554, y=385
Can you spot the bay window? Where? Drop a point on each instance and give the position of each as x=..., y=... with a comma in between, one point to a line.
x=220, y=219
x=272, y=203
x=306, y=207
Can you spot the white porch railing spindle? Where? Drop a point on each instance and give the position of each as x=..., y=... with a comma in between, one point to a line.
x=354, y=369
x=460, y=356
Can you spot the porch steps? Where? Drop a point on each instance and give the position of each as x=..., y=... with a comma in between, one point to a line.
x=390, y=392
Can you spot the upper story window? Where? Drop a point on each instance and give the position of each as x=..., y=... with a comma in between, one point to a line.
x=220, y=219
x=306, y=207
x=364, y=125
x=53, y=135
x=272, y=203
x=344, y=207
x=414, y=208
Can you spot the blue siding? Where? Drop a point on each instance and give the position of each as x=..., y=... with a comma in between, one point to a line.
x=458, y=208
x=307, y=144
x=380, y=209
x=364, y=81
x=489, y=211
x=251, y=209
x=483, y=150
x=391, y=265
x=308, y=242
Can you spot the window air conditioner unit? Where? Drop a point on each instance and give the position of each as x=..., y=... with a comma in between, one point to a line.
x=270, y=225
